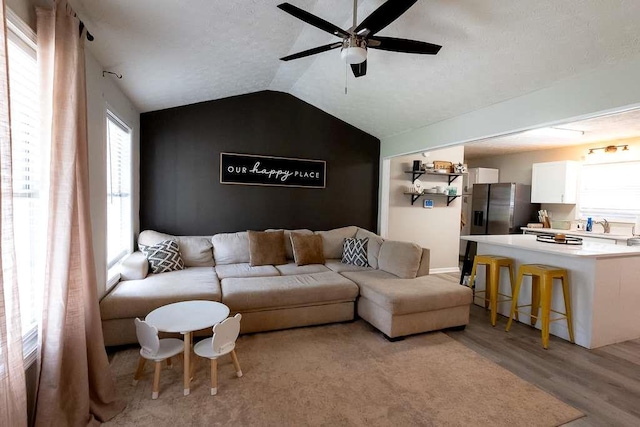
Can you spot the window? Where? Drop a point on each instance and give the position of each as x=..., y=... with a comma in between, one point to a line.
x=30, y=174
x=611, y=191
x=119, y=201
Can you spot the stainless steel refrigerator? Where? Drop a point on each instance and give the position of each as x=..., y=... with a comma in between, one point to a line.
x=501, y=208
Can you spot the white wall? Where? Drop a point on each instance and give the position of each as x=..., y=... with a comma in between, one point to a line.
x=437, y=229
x=102, y=92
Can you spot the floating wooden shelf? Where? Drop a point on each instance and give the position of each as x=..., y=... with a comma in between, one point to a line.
x=450, y=176
x=416, y=196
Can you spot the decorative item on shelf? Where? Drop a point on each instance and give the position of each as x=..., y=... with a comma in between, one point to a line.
x=452, y=191
x=442, y=166
x=460, y=168
x=431, y=190
x=428, y=166
x=417, y=165
x=418, y=186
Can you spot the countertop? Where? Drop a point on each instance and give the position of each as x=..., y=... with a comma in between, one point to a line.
x=528, y=242
x=579, y=233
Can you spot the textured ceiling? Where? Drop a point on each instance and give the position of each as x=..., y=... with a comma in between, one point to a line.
x=611, y=127
x=177, y=52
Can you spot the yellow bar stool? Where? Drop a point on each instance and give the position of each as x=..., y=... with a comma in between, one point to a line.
x=493, y=264
x=541, y=289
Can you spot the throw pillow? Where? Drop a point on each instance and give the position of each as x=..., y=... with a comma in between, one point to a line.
x=266, y=248
x=354, y=252
x=307, y=249
x=163, y=257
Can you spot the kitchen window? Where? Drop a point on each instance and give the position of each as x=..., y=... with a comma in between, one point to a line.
x=30, y=176
x=610, y=191
x=119, y=200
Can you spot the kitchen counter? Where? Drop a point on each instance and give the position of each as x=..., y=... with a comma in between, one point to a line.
x=529, y=242
x=603, y=278
x=578, y=233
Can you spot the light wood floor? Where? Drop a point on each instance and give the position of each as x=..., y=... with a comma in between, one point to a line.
x=603, y=383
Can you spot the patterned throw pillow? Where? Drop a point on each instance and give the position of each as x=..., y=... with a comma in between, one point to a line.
x=163, y=257
x=354, y=252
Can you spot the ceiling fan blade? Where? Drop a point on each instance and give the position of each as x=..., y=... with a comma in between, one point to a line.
x=360, y=69
x=403, y=45
x=313, y=51
x=313, y=20
x=384, y=15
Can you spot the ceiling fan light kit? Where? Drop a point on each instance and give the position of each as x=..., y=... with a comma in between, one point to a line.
x=354, y=51
x=357, y=39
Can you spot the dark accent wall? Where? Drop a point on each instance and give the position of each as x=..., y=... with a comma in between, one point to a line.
x=180, y=190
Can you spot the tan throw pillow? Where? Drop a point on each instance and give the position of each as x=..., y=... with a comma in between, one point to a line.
x=307, y=249
x=266, y=248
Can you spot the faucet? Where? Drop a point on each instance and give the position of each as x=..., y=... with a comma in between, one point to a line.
x=605, y=224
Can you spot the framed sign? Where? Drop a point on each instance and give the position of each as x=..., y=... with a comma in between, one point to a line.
x=247, y=169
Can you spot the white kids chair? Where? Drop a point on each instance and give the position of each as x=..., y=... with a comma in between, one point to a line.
x=222, y=342
x=153, y=348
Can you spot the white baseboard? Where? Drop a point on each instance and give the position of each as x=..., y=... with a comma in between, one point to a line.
x=444, y=270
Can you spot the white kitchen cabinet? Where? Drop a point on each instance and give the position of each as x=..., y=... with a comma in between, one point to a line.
x=555, y=182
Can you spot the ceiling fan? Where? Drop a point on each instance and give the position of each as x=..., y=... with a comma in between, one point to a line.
x=357, y=39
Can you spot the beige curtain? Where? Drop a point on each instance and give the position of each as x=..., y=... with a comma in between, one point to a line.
x=76, y=387
x=13, y=395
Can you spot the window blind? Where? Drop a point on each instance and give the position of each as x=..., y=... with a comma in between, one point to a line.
x=119, y=201
x=610, y=191
x=30, y=175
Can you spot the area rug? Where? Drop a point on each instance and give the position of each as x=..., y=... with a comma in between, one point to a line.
x=340, y=375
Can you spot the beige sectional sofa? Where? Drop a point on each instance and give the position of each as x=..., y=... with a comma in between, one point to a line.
x=395, y=294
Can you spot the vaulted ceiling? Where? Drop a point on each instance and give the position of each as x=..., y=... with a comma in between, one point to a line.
x=177, y=52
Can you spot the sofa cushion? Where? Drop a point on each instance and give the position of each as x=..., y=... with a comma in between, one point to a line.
x=292, y=268
x=373, y=245
x=136, y=298
x=287, y=239
x=230, y=248
x=426, y=293
x=134, y=267
x=307, y=249
x=266, y=248
x=354, y=252
x=163, y=257
x=286, y=291
x=196, y=251
x=368, y=275
x=244, y=269
x=400, y=258
x=333, y=240
x=339, y=267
